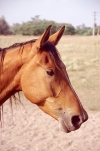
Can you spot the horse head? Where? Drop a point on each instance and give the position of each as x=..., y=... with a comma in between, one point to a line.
x=45, y=82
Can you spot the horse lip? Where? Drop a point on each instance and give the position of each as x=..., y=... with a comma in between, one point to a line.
x=66, y=123
x=66, y=127
x=62, y=126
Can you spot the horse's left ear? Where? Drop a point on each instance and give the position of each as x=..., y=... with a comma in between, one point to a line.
x=54, y=39
x=40, y=42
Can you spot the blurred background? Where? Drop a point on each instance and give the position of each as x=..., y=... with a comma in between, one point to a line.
x=27, y=128
x=29, y=17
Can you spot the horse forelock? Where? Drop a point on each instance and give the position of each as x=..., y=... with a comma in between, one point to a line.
x=55, y=57
x=53, y=52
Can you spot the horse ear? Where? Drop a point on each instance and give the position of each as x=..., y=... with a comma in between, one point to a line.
x=43, y=38
x=54, y=39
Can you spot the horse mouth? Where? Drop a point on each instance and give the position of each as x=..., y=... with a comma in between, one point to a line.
x=66, y=127
x=63, y=127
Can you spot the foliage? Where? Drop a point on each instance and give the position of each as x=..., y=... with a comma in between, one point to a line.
x=36, y=26
x=70, y=30
x=83, y=30
x=4, y=27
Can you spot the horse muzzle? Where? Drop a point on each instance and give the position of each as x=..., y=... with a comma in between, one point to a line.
x=69, y=122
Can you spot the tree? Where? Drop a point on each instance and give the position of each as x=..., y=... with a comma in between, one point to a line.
x=83, y=30
x=69, y=30
x=37, y=26
x=4, y=27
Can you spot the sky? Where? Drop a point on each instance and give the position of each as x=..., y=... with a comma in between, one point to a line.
x=75, y=12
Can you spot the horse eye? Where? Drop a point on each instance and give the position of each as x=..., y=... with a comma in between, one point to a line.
x=50, y=72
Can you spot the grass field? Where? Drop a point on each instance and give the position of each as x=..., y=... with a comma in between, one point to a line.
x=81, y=56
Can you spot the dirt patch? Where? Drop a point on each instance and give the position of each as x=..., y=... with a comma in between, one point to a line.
x=33, y=130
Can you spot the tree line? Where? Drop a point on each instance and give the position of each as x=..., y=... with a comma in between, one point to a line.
x=36, y=26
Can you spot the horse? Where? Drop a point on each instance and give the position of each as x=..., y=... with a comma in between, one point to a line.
x=35, y=67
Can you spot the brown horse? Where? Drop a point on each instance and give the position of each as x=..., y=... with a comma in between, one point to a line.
x=35, y=68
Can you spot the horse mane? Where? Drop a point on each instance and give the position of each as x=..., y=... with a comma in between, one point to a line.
x=18, y=44
x=3, y=50
x=2, y=55
x=49, y=47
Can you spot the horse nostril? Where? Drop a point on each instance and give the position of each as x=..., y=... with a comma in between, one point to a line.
x=76, y=121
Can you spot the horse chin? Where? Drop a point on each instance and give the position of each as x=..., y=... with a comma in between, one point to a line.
x=62, y=126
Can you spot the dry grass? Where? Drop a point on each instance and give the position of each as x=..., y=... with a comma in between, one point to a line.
x=81, y=57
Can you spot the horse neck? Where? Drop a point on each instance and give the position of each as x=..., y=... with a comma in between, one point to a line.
x=11, y=72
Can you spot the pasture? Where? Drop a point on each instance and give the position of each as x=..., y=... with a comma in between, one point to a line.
x=81, y=56
x=30, y=129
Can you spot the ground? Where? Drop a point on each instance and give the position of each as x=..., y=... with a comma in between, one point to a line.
x=33, y=130
x=29, y=129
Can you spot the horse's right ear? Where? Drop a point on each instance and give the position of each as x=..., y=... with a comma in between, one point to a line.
x=54, y=39
x=40, y=42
